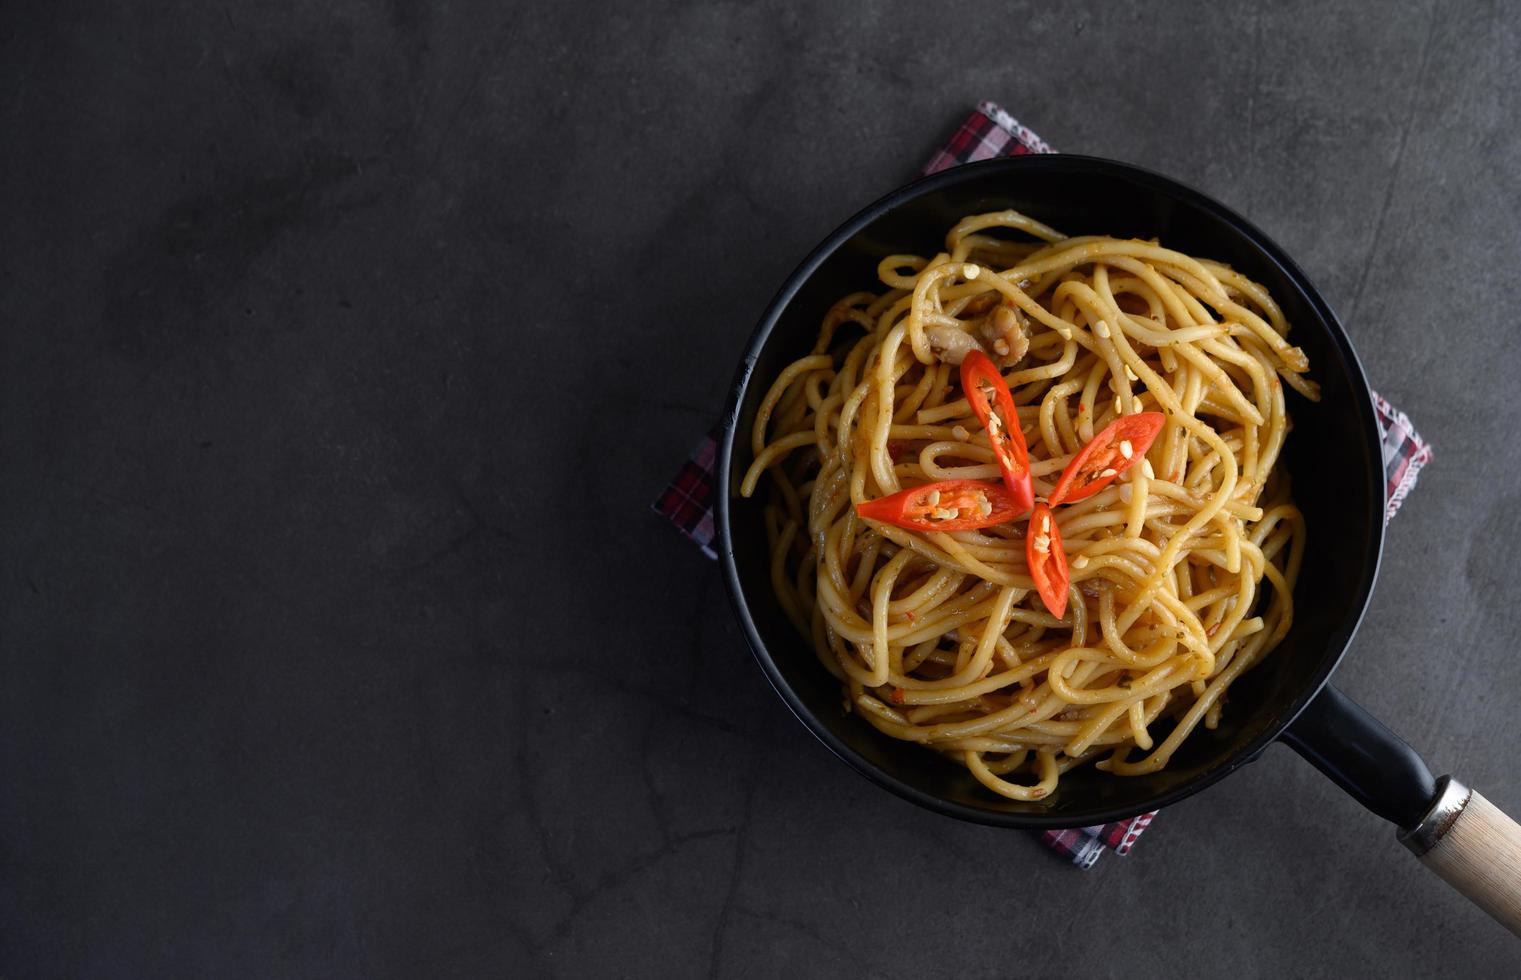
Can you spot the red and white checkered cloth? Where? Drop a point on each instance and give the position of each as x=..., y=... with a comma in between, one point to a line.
x=991, y=132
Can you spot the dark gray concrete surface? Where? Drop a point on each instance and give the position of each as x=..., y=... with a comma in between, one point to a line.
x=346, y=344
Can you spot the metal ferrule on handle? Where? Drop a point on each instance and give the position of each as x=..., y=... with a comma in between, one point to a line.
x=1452, y=796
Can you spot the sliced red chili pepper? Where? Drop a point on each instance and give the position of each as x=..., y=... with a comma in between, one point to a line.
x=1120, y=446
x=991, y=401
x=950, y=505
x=1047, y=560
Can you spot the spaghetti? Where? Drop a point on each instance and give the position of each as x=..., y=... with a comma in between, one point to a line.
x=1180, y=569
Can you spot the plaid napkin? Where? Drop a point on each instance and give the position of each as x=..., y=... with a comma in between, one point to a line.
x=991, y=132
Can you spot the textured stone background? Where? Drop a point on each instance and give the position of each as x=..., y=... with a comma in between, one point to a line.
x=345, y=345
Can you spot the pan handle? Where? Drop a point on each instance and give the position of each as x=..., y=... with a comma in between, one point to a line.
x=1469, y=842
x=1363, y=757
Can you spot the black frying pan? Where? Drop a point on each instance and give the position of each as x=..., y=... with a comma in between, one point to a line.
x=1334, y=454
